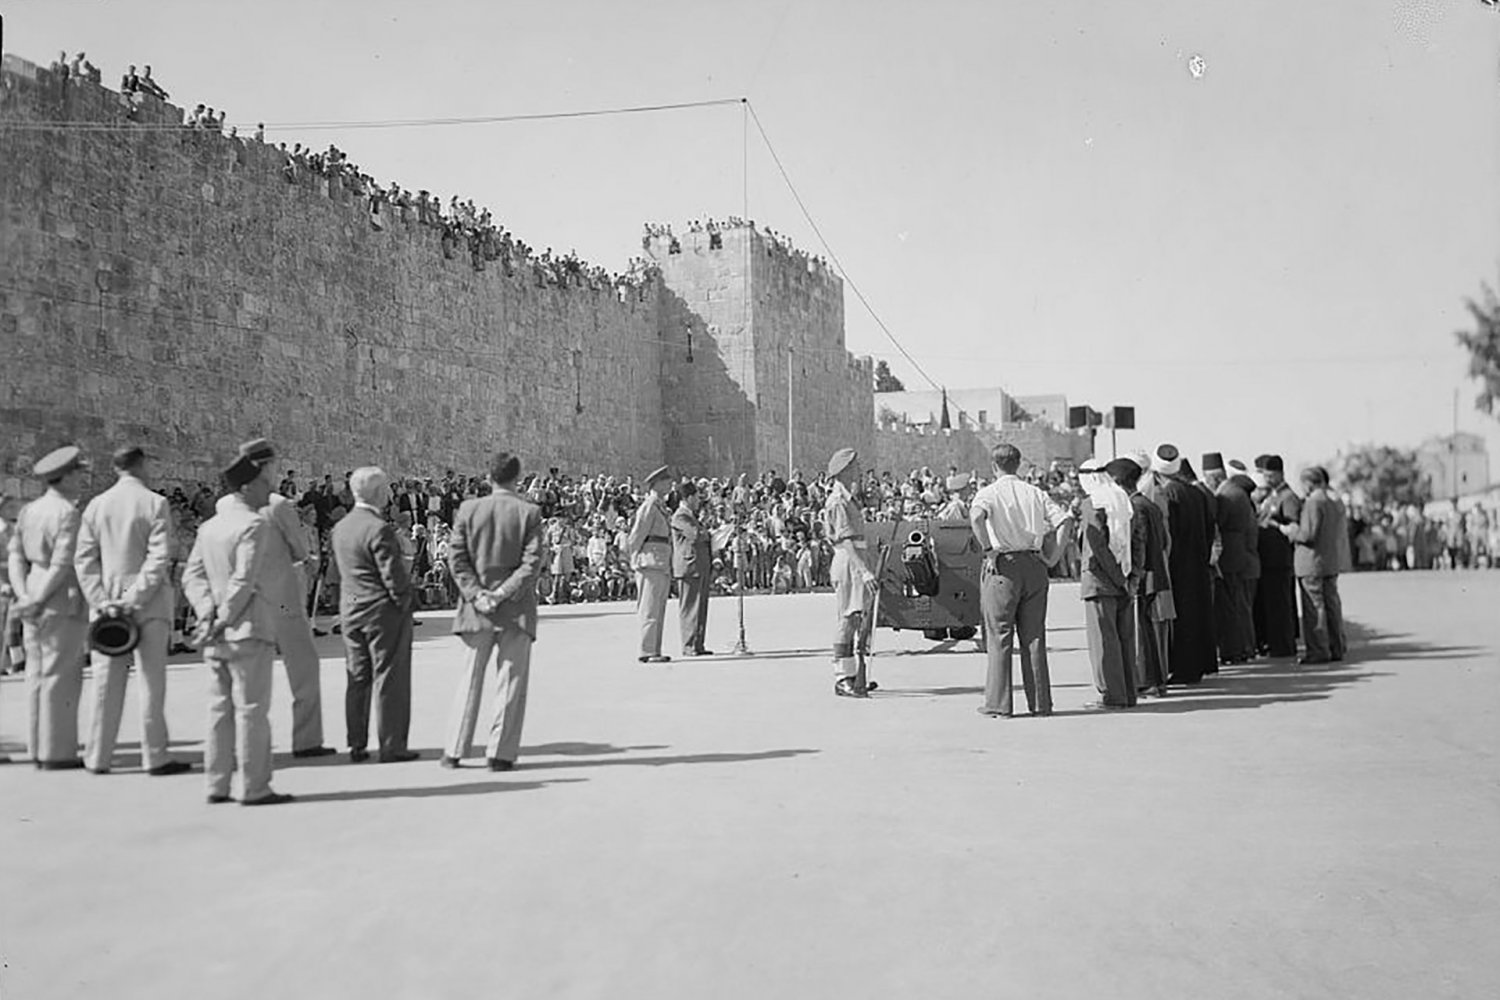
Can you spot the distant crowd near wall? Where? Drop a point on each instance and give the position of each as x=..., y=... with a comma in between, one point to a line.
x=180, y=288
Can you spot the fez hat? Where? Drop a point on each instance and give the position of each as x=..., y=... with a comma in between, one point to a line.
x=1168, y=460
x=664, y=472
x=128, y=457
x=1212, y=460
x=958, y=482
x=114, y=634
x=840, y=461
x=258, y=450
x=239, y=472
x=56, y=464
x=1121, y=467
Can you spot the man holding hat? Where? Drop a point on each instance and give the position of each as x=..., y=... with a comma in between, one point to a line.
x=281, y=580
x=51, y=607
x=854, y=582
x=650, y=550
x=237, y=633
x=124, y=563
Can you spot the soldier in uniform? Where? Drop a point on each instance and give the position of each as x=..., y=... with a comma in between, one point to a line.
x=281, y=574
x=50, y=604
x=854, y=581
x=124, y=562
x=237, y=632
x=650, y=548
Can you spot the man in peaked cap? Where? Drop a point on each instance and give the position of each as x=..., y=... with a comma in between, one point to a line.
x=124, y=562
x=650, y=549
x=1276, y=593
x=237, y=633
x=52, y=609
x=282, y=577
x=854, y=582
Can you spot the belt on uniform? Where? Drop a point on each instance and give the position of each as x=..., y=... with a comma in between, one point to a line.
x=657, y=538
x=1018, y=552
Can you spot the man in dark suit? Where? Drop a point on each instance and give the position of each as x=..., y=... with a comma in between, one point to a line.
x=692, y=565
x=1190, y=527
x=1276, y=593
x=495, y=552
x=1151, y=581
x=1238, y=564
x=375, y=602
x=1322, y=540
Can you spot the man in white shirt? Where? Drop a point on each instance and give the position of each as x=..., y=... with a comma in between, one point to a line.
x=1011, y=519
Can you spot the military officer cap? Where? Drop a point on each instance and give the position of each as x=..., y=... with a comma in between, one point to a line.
x=840, y=461
x=664, y=472
x=56, y=464
x=241, y=471
x=258, y=450
x=1212, y=460
x=1270, y=463
x=958, y=482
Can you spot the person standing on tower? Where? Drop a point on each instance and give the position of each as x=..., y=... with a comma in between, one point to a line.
x=650, y=549
x=854, y=581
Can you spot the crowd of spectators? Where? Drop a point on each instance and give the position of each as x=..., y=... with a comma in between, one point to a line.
x=776, y=243
x=1402, y=538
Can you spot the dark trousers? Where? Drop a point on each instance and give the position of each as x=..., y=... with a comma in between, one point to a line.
x=692, y=597
x=1322, y=618
x=1152, y=639
x=1234, y=622
x=1276, y=611
x=377, y=655
x=1013, y=599
x=1110, y=624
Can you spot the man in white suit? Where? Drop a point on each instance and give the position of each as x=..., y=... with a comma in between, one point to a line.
x=123, y=561
x=237, y=632
x=281, y=578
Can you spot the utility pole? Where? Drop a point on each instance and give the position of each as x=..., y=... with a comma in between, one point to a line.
x=1453, y=446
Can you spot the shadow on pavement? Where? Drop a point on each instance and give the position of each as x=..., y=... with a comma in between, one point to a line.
x=1368, y=644
x=660, y=761
x=1255, y=686
x=582, y=749
x=430, y=791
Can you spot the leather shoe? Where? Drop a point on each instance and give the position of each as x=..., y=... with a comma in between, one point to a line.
x=451, y=763
x=1045, y=713
x=314, y=752
x=216, y=800
x=169, y=768
x=273, y=799
x=496, y=764
x=993, y=713
x=60, y=765
x=702, y=652
x=658, y=658
x=845, y=687
x=98, y=770
x=1104, y=706
x=358, y=756
x=398, y=756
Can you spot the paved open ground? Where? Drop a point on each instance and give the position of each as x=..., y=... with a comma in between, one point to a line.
x=728, y=828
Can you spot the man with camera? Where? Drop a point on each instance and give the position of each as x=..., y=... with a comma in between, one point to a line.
x=124, y=561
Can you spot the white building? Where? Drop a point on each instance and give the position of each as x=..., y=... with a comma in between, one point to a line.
x=1457, y=464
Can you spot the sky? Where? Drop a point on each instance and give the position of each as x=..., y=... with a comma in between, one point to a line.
x=1271, y=255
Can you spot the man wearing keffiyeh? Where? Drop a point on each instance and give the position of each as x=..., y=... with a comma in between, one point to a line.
x=1107, y=586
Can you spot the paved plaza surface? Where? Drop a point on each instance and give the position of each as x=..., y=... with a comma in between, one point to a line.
x=727, y=828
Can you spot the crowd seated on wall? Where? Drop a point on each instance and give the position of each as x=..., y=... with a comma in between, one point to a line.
x=776, y=243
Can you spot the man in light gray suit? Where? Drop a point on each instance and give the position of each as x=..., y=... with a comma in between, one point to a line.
x=51, y=608
x=692, y=565
x=124, y=561
x=494, y=552
x=281, y=576
x=237, y=633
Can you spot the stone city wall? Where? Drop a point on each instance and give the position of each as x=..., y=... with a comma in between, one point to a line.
x=169, y=286
x=900, y=448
